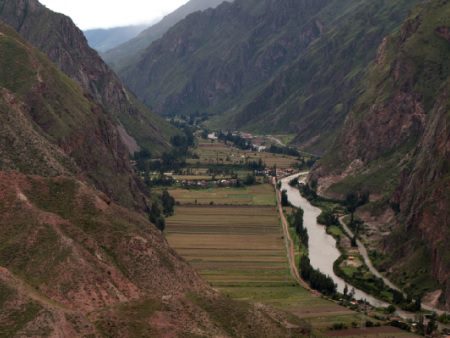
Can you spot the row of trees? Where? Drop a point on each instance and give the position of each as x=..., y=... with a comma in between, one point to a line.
x=317, y=280
x=283, y=150
x=297, y=223
x=236, y=140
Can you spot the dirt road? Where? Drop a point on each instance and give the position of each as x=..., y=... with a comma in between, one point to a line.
x=289, y=243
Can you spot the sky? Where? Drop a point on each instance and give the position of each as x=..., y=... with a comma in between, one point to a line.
x=88, y=14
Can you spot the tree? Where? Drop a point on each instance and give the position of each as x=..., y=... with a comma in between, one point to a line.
x=351, y=202
x=156, y=217
x=284, y=199
x=431, y=326
x=398, y=297
x=328, y=218
x=250, y=179
x=168, y=203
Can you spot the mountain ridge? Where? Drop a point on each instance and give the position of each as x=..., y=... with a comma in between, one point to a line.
x=124, y=54
x=395, y=144
x=256, y=66
x=104, y=39
x=67, y=47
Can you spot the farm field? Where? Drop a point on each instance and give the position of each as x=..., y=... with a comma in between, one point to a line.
x=220, y=153
x=262, y=194
x=231, y=246
x=240, y=251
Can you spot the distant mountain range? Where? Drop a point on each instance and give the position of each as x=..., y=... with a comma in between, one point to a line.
x=103, y=40
x=259, y=65
x=127, y=53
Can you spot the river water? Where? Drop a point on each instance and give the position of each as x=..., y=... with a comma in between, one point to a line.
x=323, y=251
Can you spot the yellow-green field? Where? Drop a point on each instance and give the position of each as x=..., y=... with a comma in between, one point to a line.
x=219, y=153
x=262, y=194
x=231, y=246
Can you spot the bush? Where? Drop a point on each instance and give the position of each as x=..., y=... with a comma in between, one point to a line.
x=328, y=218
x=338, y=326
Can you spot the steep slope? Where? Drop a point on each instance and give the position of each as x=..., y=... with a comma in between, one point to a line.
x=103, y=40
x=259, y=65
x=73, y=263
x=396, y=144
x=49, y=126
x=58, y=37
x=309, y=98
x=126, y=53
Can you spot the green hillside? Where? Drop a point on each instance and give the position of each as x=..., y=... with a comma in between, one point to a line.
x=49, y=32
x=398, y=133
x=259, y=65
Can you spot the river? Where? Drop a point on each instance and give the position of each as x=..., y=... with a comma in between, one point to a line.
x=323, y=251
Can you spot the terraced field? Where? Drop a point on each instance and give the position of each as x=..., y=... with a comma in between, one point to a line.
x=220, y=153
x=231, y=246
x=240, y=250
x=258, y=195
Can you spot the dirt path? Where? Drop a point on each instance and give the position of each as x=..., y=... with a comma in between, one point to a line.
x=289, y=244
x=363, y=251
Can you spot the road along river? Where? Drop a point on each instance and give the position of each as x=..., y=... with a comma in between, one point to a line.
x=323, y=251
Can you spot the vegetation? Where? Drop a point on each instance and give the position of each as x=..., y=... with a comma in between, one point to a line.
x=328, y=218
x=296, y=221
x=317, y=280
x=284, y=199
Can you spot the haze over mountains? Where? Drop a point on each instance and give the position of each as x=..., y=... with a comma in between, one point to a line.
x=103, y=40
x=126, y=53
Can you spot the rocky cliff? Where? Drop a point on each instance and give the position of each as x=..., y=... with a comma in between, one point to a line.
x=58, y=37
x=396, y=144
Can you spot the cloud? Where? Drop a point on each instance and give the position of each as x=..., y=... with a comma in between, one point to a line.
x=89, y=14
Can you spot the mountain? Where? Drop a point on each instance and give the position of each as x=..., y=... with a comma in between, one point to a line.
x=103, y=40
x=258, y=65
x=396, y=145
x=57, y=36
x=76, y=259
x=127, y=52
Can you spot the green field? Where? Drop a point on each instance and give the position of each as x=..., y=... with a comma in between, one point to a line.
x=240, y=250
x=218, y=153
x=262, y=194
x=231, y=246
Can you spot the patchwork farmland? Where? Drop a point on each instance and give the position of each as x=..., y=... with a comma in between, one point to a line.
x=216, y=152
x=239, y=249
x=257, y=195
x=232, y=246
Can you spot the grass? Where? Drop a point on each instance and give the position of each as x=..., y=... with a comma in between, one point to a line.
x=262, y=194
x=133, y=319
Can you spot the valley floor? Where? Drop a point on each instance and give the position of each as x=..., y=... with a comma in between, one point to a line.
x=240, y=250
